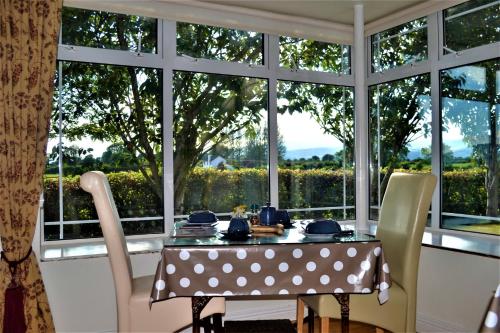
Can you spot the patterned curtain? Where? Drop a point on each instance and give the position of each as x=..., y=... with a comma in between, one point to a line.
x=28, y=51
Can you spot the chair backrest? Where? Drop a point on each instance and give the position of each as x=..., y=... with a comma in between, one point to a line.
x=96, y=183
x=403, y=216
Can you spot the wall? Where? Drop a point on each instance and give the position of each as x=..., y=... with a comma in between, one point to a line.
x=454, y=290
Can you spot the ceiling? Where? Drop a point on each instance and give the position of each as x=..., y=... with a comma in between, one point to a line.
x=337, y=11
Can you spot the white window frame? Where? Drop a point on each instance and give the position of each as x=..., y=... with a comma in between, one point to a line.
x=167, y=60
x=436, y=61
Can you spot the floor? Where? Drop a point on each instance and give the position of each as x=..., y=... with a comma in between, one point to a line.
x=354, y=327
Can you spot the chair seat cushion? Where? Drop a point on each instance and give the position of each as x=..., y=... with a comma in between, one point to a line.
x=366, y=308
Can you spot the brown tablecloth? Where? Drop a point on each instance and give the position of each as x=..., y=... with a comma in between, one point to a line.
x=315, y=268
x=490, y=323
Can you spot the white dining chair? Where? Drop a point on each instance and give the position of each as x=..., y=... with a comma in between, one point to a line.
x=133, y=294
x=403, y=216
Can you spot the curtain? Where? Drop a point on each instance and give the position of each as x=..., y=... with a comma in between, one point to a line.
x=28, y=52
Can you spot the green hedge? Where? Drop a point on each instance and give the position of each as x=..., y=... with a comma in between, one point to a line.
x=221, y=190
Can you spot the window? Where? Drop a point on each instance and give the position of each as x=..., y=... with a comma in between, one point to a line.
x=207, y=42
x=316, y=150
x=471, y=24
x=296, y=53
x=400, y=132
x=108, y=115
x=108, y=118
x=220, y=142
x=470, y=106
x=105, y=30
x=399, y=46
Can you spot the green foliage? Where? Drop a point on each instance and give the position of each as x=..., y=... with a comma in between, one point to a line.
x=221, y=190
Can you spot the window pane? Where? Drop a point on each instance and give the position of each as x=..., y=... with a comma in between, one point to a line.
x=220, y=142
x=471, y=24
x=110, y=121
x=106, y=30
x=203, y=41
x=399, y=46
x=400, y=132
x=316, y=150
x=296, y=53
x=470, y=106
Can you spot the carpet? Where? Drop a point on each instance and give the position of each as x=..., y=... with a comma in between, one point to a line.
x=259, y=326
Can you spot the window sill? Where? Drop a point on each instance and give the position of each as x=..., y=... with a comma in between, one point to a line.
x=96, y=249
x=458, y=241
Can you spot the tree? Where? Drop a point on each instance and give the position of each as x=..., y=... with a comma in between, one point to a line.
x=398, y=117
x=331, y=107
x=474, y=110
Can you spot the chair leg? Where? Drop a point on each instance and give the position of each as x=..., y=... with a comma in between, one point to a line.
x=325, y=325
x=206, y=324
x=300, y=315
x=310, y=320
x=217, y=320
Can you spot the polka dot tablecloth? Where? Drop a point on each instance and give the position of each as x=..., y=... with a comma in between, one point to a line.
x=280, y=269
x=491, y=322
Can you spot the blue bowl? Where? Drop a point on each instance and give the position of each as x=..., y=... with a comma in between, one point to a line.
x=323, y=227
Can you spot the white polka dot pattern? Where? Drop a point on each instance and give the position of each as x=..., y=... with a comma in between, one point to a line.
x=160, y=285
x=269, y=254
x=241, y=281
x=324, y=279
x=199, y=268
x=184, y=255
x=241, y=254
x=269, y=281
x=275, y=269
x=255, y=267
x=283, y=267
x=491, y=319
x=213, y=282
x=338, y=266
x=311, y=266
x=170, y=269
x=352, y=279
x=184, y=282
x=227, y=268
x=213, y=254
x=297, y=280
x=297, y=253
x=351, y=252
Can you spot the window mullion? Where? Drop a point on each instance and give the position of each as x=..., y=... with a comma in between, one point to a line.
x=168, y=48
x=271, y=53
x=435, y=50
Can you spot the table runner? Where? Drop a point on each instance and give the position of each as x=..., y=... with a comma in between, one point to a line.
x=310, y=268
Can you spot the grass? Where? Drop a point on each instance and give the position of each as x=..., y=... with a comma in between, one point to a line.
x=488, y=228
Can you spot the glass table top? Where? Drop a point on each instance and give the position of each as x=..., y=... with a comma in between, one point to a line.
x=294, y=235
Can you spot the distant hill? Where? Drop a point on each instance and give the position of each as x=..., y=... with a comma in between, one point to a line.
x=462, y=152
x=309, y=152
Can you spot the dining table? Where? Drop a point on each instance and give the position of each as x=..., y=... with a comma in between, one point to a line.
x=205, y=264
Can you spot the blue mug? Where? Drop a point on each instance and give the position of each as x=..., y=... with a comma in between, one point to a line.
x=267, y=215
x=238, y=228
